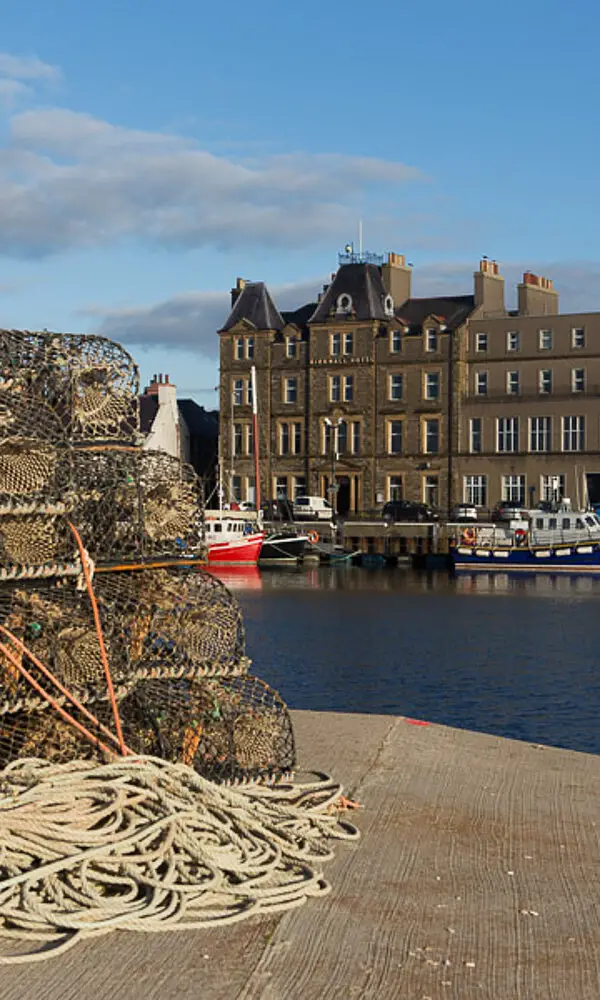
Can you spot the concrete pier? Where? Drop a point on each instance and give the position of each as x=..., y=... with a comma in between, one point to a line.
x=477, y=876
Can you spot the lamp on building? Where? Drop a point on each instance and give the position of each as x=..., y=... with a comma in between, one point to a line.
x=334, y=424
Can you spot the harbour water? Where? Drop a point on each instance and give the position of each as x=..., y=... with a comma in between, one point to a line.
x=509, y=656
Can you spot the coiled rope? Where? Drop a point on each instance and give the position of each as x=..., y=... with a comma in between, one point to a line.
x=144, y=845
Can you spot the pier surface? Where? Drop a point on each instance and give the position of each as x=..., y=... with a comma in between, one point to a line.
x=477, y=876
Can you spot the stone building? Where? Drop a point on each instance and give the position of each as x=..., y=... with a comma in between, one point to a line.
x=381, y=395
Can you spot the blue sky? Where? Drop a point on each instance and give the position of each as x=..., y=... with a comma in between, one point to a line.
x=152, y=152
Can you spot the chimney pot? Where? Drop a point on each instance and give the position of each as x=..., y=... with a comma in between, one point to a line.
x=166, y=379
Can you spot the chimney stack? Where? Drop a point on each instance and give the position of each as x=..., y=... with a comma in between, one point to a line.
x=537, y=296
x=489, y=289
x=396, y=277
x=240, y=284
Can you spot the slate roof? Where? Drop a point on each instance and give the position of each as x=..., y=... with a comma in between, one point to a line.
x=148, y=411
x=200, y=422
x=363, y=282
x=300, y=316
x=255, y=305
x=451, y=309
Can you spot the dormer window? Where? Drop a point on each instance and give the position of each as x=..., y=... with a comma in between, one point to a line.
x=344, y=303
x=388, y=305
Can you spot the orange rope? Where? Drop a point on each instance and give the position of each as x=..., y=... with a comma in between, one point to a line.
x=98, y=624
x=48, y=673
x=51, y=701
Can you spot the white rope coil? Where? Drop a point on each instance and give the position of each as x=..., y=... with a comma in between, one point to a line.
x=141, y=844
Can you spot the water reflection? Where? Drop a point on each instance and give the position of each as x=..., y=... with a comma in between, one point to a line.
x=430, y=646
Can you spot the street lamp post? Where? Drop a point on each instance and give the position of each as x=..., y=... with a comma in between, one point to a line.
x=334, y=425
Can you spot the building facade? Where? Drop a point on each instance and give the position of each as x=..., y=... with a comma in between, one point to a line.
x=370, y=394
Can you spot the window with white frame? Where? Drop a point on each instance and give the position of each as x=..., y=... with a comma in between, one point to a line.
x=297, y=437
x=238, y=392
x=299, y=486
x=481, y=341
x=284, y=439
x=513, y=383
x=545, y=380
x=507, y=434
x=250, y=348
x=238, y=439
x=431, y=340
x=281, y=487
x=236, y=488
x=578, y=380
x=573, y=433
x=513, y=341
x=481, y=383
x=335, y=345
x=342, y=438
x=540, y=433
x=577, y=338
x=395, y=341
x=335, y=388
x=291, y=390
x=291, y=347
x=355, y=439
x=475, y=490
x=431, y=436
x=239, y=348
x=348, y=388
x=513, y=489
x=396, y=385
x=475, y=435
x=395, y=435
x=395, y=488
x=545, y=340
x=431, y=385
x=348, y=343
x=553, y=488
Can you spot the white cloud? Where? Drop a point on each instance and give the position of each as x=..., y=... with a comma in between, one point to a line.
x=68, y=180
x=26, y=68
x=187, y=321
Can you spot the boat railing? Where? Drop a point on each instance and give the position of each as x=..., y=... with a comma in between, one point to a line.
x=494, y=536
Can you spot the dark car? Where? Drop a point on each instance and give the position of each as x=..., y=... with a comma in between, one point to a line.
x=408, y=510
x=277, y=510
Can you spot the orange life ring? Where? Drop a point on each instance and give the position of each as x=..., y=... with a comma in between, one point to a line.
x=520, y=536
x=469, y=537
x=313, y=537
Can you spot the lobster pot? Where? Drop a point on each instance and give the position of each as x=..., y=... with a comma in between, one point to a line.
x=132, y=506
x=32, y=543
x=34, y=475
x=155, y=623
x=228, y=729
x=91, y=384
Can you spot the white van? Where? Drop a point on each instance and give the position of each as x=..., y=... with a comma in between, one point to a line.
x=312, y=509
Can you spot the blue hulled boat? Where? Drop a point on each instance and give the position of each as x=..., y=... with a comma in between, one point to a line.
x=560, y=540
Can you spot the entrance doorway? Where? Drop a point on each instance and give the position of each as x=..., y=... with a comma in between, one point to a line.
x=343, y=497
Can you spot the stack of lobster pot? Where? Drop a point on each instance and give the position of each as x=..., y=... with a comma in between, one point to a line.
x=89, y=517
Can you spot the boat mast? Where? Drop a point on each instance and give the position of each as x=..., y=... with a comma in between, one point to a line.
x=255, y=438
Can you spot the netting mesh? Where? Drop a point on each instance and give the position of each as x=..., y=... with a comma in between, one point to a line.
x=78, y=493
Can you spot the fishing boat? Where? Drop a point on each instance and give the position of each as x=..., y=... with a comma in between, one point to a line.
x=233, y=538
x=284, y=547
x=558, y=540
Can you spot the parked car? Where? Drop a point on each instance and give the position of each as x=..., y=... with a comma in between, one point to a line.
x=509, y=510
x=277, y=510
x=247, y=505
x=312, y=509
x=463, y=512
x=408, y=510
